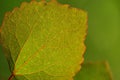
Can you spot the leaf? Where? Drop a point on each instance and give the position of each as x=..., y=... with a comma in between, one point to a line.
x=94, y=71
x=44, y=41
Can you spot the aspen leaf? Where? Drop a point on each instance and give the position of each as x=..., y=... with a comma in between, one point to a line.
x=44, y=41
x=94, y=71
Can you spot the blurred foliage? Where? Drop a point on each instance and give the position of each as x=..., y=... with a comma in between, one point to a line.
x=103, y=32
x=94, y=71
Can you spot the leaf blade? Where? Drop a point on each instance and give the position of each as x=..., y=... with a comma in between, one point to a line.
x=48, y=41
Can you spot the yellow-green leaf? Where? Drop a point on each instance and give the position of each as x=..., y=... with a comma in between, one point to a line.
x=44, y=41
x=94, y=71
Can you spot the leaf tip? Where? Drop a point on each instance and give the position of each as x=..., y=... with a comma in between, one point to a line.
x=108, y=69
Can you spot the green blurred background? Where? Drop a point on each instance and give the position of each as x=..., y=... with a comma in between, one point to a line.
x=103, y=39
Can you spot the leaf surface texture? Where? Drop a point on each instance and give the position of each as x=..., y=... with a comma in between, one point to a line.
x=44, y=40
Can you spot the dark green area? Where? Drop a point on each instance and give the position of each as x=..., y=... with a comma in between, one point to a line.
x=103, y=32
